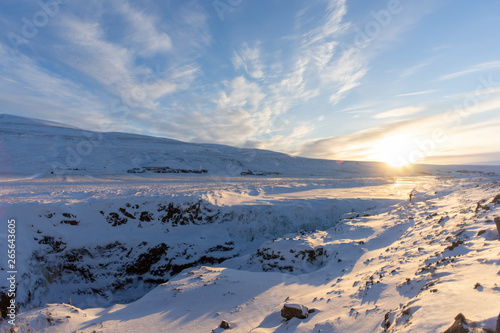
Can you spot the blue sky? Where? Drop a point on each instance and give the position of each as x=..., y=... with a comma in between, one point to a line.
x=397, y=81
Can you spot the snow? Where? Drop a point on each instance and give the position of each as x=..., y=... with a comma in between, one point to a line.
x=110, y=251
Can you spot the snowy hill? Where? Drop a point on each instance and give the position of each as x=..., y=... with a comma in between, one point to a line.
x=103, y=249
x=38, y=148
x=31, y=146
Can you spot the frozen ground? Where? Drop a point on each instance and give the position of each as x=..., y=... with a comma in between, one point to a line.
x=110, y=251
x=356, y=250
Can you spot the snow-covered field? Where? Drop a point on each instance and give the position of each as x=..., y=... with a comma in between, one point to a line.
x=103, y=250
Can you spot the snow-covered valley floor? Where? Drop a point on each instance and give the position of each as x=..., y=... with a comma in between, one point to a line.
x=158, y=253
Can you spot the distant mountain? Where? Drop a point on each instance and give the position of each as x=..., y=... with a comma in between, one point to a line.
x=34, y=146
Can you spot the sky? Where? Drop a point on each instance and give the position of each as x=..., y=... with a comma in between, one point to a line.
x=399, y=81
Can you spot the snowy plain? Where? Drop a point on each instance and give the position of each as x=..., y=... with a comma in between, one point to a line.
x=101, y=249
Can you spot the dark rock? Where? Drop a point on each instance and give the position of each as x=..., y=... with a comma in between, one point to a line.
x=463, y=325
x=4, y=303
x=70, y=222
x=127, y=214
x=56, y=245
x=497, y=222
x=454, y=245
x=147, y=259
x=290, y=311
x=498, y=324
x=146, y=217
x=114, y=219
x=459, y=326
x=496, y=200
x=387, y=321
x=225, y=325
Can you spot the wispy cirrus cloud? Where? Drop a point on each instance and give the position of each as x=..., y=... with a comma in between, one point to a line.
x=27, y=88
x=89, y=52
x=460, y=132
x=323, y=64
x=414, y=69
x=487, y=66
x=248, y=58
x=332, y=24
x=291, y=85
x=143, y=31
x=97, y=68
x=115, y=60
x=339, y=69
x=242, y=93
x=236, y=117
x=344, y=74
x=465, y=144
x=115, y=66
x=400, y=112
x=423, y=92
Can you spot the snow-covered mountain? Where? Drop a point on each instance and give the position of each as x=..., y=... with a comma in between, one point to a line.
x=182, y=250
x=32, y=146
x=42, y=148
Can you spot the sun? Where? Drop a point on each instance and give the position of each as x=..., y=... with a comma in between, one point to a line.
x=395, y=151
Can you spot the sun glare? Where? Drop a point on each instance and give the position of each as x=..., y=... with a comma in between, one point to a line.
x=395, y=151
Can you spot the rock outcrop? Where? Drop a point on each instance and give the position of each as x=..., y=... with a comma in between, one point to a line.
x=464, y=325
x=290, y=311
x=225, y=325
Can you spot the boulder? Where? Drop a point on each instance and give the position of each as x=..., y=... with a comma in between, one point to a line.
x=463, y=325
x=496, y=200
x=290, y=311
x=497, y=222
x=459, y=326
x=225, y=325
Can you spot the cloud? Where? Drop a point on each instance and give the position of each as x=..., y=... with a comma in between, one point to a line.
x=340, y=69
x=293, y=87
x=461, y=136
x=248, y=58
x=144, y=34
x=236, y=116
x=353, y=146
x=492, y=158
x=482, y=92
x=412, y=70
x=417, y=93
x=261, y=97
x=241, y=94
x=331, y=26
x=87, y=51
x=115, y=67
x=400, y=112
x=364, y=107
x=466, y=144
x=322, y=65
x=487, y=66
x=441, y=47
x=28, y=89
x=98, y=73
x=289, y=140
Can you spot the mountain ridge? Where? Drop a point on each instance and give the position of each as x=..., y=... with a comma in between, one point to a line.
x=34, y=146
